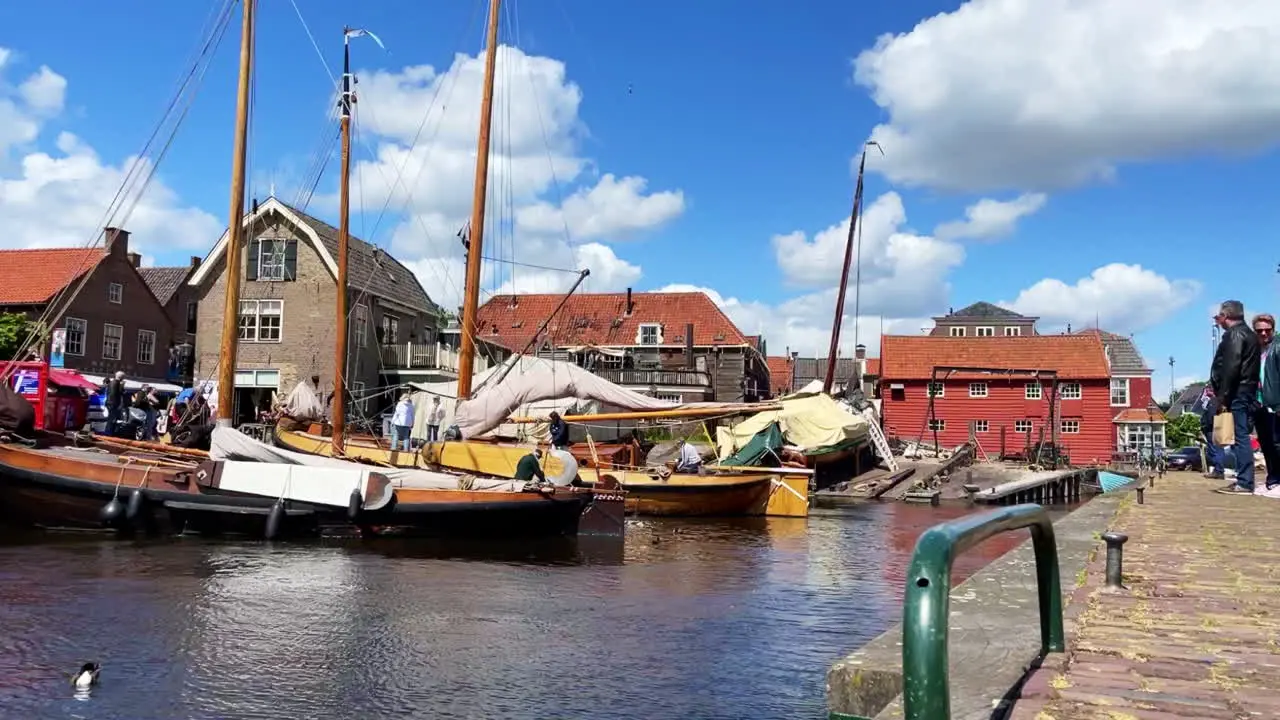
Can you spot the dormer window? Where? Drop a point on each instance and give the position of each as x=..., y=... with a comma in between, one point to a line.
x=649, y=334
x=957, y=331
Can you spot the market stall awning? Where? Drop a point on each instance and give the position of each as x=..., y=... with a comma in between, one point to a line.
x=72, y=379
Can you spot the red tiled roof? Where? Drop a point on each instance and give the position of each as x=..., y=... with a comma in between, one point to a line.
x=873, y=366
x=1142, y=415
x=913, y=357
x=31, y=277
x=779, y=373
x=601, y=319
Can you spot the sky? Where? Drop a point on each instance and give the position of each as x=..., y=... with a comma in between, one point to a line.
x=1085, y=161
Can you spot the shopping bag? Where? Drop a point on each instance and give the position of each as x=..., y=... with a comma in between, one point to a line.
x=1224, y=429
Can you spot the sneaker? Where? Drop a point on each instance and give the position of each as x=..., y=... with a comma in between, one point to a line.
x=1272, y=491
x=1215, y=475
x=1233, y=489
x=1230, y=474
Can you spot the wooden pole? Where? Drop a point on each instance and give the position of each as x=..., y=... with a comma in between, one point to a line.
x=475, y=240
x=235, y=228
x=829, y=380
x=338, y=415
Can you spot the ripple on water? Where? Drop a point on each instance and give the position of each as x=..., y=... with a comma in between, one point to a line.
x=690, y=619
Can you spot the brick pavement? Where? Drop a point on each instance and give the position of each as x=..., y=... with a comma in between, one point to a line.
x=1196, y=632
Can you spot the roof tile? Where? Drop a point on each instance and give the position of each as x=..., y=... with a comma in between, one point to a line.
x=601, y=319
x=1125, y=357
x=164, y=281
x=779, y=374
x=32, y=277
x=913, y=357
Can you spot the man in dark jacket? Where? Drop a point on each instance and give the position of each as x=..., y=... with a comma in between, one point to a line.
x=115, y=401
x=1234, y=379
x=559, y=431
x=1264, y=417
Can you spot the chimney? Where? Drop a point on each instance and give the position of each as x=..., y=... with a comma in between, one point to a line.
x=134, y=259
x=117, y=241
x=860, y=351
x=688, y=345
x=195, y=261
x=629, y=305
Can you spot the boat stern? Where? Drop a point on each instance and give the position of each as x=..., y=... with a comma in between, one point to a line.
x=605, y=515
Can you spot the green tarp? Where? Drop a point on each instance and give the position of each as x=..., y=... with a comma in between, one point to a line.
x=766, y=443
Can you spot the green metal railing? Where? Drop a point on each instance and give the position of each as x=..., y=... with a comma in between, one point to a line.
x=926, y=683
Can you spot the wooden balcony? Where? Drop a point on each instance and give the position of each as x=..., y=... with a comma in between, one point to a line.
x=659, y=378
x=425, y=357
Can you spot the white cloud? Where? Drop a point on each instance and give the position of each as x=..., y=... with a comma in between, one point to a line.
x=990, y=219
x=59, y=196
x=547, y=205
x=1118, y=297
x=1048, y=93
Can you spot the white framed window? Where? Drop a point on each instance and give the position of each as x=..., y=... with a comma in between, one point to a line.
x=1012, y=331
x=1070, y=391
x=977, y=389
x=146, y=347
x=1119, y=392
x=115, y=293
x=936, y=389
x=77, y=331
x=937, y=424
x=1022, y=427
x=956, y=331
x=261, y=320
x=360, y=321
x=1070, y=427
x=112, y=341
x=650, y=334
x=271, y=258
x=390, y=329
x=669, y=397
x=358, y=400
x=1034, y=391
x=985, y=331
x=981, y=426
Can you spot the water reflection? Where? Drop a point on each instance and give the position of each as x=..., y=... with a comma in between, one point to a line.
x=706, y=619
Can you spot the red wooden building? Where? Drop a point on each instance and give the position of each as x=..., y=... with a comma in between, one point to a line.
x=1004, y=390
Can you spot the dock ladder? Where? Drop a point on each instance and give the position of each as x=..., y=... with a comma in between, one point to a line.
x=878, y=439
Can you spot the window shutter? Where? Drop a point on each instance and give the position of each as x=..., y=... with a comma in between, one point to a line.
x=251, y=260
x=291, y=260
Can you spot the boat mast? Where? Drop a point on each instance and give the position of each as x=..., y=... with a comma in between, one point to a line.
x=235, y=227
x=471, y=291
x=854, y=218
x=338, y=415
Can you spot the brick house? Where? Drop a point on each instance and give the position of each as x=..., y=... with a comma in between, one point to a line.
x=678, y=346
x=169, y=285
x=983, y=319
x=113, y=321
x=1139, y=422
x=1002, y=398
x=287, y=310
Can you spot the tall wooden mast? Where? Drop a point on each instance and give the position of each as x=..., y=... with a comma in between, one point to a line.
x=854, y=219
x=471, y=292
x=338, y=415
x=235, y=227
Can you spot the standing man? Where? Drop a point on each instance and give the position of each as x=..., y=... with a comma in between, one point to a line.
x=559, y=430
x=1264, y=418
x=402, y=423
x=114, y=401
x=1215, y=455
x=1234, y=379
x=434, y=417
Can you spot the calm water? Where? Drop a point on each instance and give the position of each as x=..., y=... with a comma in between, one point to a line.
x=688, y=620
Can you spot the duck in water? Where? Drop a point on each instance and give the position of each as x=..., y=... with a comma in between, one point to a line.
x=87, y=676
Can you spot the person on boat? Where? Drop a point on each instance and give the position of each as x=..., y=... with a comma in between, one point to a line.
x=530, y=466
x=690, y=460
x=402, y=423
x=435, y=416
x=559, y=430
x=114, y=401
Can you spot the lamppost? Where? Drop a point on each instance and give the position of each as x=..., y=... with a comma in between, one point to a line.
x=1172, y=389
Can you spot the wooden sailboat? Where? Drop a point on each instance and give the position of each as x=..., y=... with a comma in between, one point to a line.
x=47, y=481
x=717, y=493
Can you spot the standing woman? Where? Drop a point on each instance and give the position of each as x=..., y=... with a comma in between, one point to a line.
x=1266, y=420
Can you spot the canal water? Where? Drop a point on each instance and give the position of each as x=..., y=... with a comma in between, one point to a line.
x=688, y=619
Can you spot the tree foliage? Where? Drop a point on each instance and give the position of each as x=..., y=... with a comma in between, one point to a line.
x=15, y=328
x=1182, y=430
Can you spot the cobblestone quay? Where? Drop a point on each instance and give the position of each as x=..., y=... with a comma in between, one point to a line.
x=1195, y=633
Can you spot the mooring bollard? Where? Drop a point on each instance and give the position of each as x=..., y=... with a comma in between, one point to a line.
x=1115, y=557
x=1140, y=490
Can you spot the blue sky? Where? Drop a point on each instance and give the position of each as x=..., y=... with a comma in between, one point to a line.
x=1125, y=154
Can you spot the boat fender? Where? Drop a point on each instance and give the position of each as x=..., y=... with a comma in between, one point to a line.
x=137, y=504
x=354, y=505
x=274, y=519
x=111, y=512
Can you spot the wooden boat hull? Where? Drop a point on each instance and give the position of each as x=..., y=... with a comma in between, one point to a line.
x=690, y=495
x=50, y=489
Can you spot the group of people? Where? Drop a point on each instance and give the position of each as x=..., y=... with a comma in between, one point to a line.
x=1244, y=382
x=147, y=414
x=402, y=419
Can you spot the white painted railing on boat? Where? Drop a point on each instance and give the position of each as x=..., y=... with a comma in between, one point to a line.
x=426, y=356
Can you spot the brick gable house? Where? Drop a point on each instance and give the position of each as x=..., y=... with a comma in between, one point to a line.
x=679, y=346
x=1005, y=402
x=286, y=313
x=113, y=321
x=983, y=319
